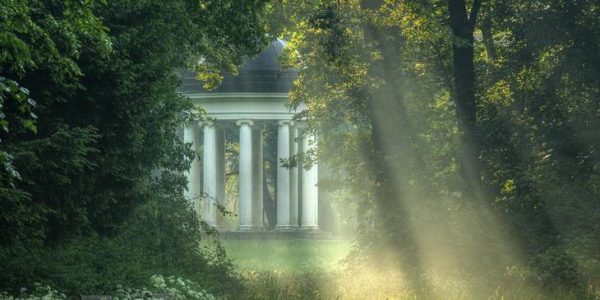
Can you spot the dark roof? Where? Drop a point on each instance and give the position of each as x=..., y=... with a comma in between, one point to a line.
x=262, y=73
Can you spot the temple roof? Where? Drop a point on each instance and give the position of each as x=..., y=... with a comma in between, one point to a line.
x=261, y=74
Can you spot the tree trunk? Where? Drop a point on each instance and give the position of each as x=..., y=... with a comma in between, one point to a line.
x=488, y=38
x=462, y=26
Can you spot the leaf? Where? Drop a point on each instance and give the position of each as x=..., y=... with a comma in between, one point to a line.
x=29, y=124
x=24, y=90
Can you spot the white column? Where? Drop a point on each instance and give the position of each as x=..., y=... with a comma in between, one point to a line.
x=210, y=173
x=283, y=176
x=310, y=192
x=257, y=201
x=294, y=179
x=191, y=134
x=245, y=176
x=220, y=174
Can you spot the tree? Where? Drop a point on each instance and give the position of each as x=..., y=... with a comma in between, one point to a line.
x=459, y=131
x=39, y=38
x=462, y=25
x=104, y=157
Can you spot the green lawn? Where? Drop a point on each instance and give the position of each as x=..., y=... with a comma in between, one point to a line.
x=286, y=255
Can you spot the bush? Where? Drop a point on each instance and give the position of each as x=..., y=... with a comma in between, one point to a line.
x=161, y=237
x=38, y=292
x=166, y=287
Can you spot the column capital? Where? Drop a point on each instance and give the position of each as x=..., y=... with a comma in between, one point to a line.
x=242, y=122
x=207, y=123
x=285, y=122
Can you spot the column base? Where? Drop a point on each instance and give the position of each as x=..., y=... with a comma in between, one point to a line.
x=310, y=228
x=286, y=228
x=247, y=228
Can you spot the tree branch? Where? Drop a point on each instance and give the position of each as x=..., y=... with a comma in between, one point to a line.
x=474, y=12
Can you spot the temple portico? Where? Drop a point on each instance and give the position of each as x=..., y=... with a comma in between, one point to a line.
x=295, y=186
x=254, y=99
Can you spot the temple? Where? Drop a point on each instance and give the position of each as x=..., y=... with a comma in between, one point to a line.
x=252, y=100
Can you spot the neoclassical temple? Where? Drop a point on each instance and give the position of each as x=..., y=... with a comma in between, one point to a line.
x=255, y=98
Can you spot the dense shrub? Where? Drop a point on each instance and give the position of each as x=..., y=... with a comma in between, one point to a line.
x=162, y=237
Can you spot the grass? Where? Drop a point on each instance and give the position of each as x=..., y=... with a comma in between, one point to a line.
x=287, y=255
x=310, y=269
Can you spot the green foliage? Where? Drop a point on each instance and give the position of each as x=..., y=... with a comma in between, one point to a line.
x=157, y=287
x=38, y=292
x=161, y=237
x=180, y=288
x=379, y=79
x=90, y=162
x=38, y=38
